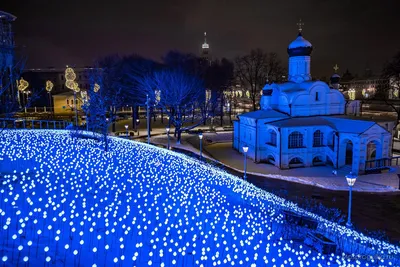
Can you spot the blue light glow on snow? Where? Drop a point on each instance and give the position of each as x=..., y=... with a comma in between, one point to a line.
x=65, y=201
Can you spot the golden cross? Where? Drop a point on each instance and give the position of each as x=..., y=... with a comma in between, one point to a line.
x=336, y=68
x=300, y=24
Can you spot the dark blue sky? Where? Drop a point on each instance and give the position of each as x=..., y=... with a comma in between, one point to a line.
x=352, y=33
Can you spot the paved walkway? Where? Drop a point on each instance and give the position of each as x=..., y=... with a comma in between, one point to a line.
x=321, y=176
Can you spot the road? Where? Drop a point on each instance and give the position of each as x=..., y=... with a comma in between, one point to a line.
x=372, y=211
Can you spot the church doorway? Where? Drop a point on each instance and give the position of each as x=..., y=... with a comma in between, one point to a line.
x=296, y=163
x=374, y=151
x=371, y=150
x=317, y=161
x=349, y=153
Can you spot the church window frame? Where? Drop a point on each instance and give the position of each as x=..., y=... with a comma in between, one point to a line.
x=295, y=140
x=272, y=138
x=318, y=138
x=316, y=96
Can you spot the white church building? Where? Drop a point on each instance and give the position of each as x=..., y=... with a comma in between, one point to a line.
x=304, y=123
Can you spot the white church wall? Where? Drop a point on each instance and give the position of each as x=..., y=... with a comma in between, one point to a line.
x=353, y=107
x=247, y=138
x=268, y=149
x=283, y=105
x=299, y=68
x=287, y=154
x=308, y=152
x=236, y=138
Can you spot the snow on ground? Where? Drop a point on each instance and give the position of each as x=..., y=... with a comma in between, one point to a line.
x=66, y=202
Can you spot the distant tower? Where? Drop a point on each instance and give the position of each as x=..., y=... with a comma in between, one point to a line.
x=300, y=58
x=205, y=49
x=335, y=78
x=7, y=54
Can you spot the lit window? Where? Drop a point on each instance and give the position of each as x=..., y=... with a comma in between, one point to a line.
x=318, y=138
x=295, y=140
x=352, y=94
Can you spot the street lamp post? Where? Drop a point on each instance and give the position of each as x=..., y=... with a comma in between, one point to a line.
x=126, y=128
x=137, y=123
x=351, y=179
x=245, y=149
x=201, y=144
x=148, y=118
x=167, y=129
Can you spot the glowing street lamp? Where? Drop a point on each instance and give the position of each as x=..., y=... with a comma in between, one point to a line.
x=351, y=179
x=245, y=149
x=201, y=144
x=126, y=128
x=167, y=130
x=137, y=123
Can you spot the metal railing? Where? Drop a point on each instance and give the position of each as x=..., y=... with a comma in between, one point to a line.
x=32, y=124
x=378, y=164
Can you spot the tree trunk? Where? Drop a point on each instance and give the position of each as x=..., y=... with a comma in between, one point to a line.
x=105, y=138
x=134, y=118
x=230, y=111
x=178, y=140
x=254, y=103
x=193, y=114
x=162, y=116
x=222, y=111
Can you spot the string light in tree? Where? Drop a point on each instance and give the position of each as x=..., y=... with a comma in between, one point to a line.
x=49, y=86
x=22, y=84
x=96, y=87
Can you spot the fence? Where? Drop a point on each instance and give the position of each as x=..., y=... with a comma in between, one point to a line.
x=32, y=124
x=379, y=164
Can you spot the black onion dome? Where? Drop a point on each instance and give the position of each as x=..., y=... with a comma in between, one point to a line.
x=300, y=47
x=335, y=78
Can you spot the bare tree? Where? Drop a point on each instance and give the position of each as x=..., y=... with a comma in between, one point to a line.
x=105, y=97
x=255, y=69
x=10, y=96
x=176, y=92
x=219, y=79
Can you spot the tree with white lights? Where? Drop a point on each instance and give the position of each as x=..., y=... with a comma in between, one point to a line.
x=104, y=97
x=177, y=93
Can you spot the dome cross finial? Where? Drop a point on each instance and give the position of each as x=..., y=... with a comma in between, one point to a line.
x=336, y=68
x=300, y=24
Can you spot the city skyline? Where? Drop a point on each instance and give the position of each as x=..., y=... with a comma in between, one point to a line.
x=339, y=31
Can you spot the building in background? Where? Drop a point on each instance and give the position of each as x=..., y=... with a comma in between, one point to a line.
x=60, y=95
x=7, y=59
x=302, y=123
x=205, y=50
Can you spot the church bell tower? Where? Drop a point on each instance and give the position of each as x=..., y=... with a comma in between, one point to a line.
x=299, y=52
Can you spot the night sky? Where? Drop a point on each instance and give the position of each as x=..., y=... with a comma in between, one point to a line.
x=351, y=33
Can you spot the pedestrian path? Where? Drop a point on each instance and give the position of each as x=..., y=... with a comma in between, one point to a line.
x=320, y=176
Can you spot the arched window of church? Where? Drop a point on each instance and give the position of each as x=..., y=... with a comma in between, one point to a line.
x=272, y=138
x=318, y=138
x=316, y=96
x=295, y=140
